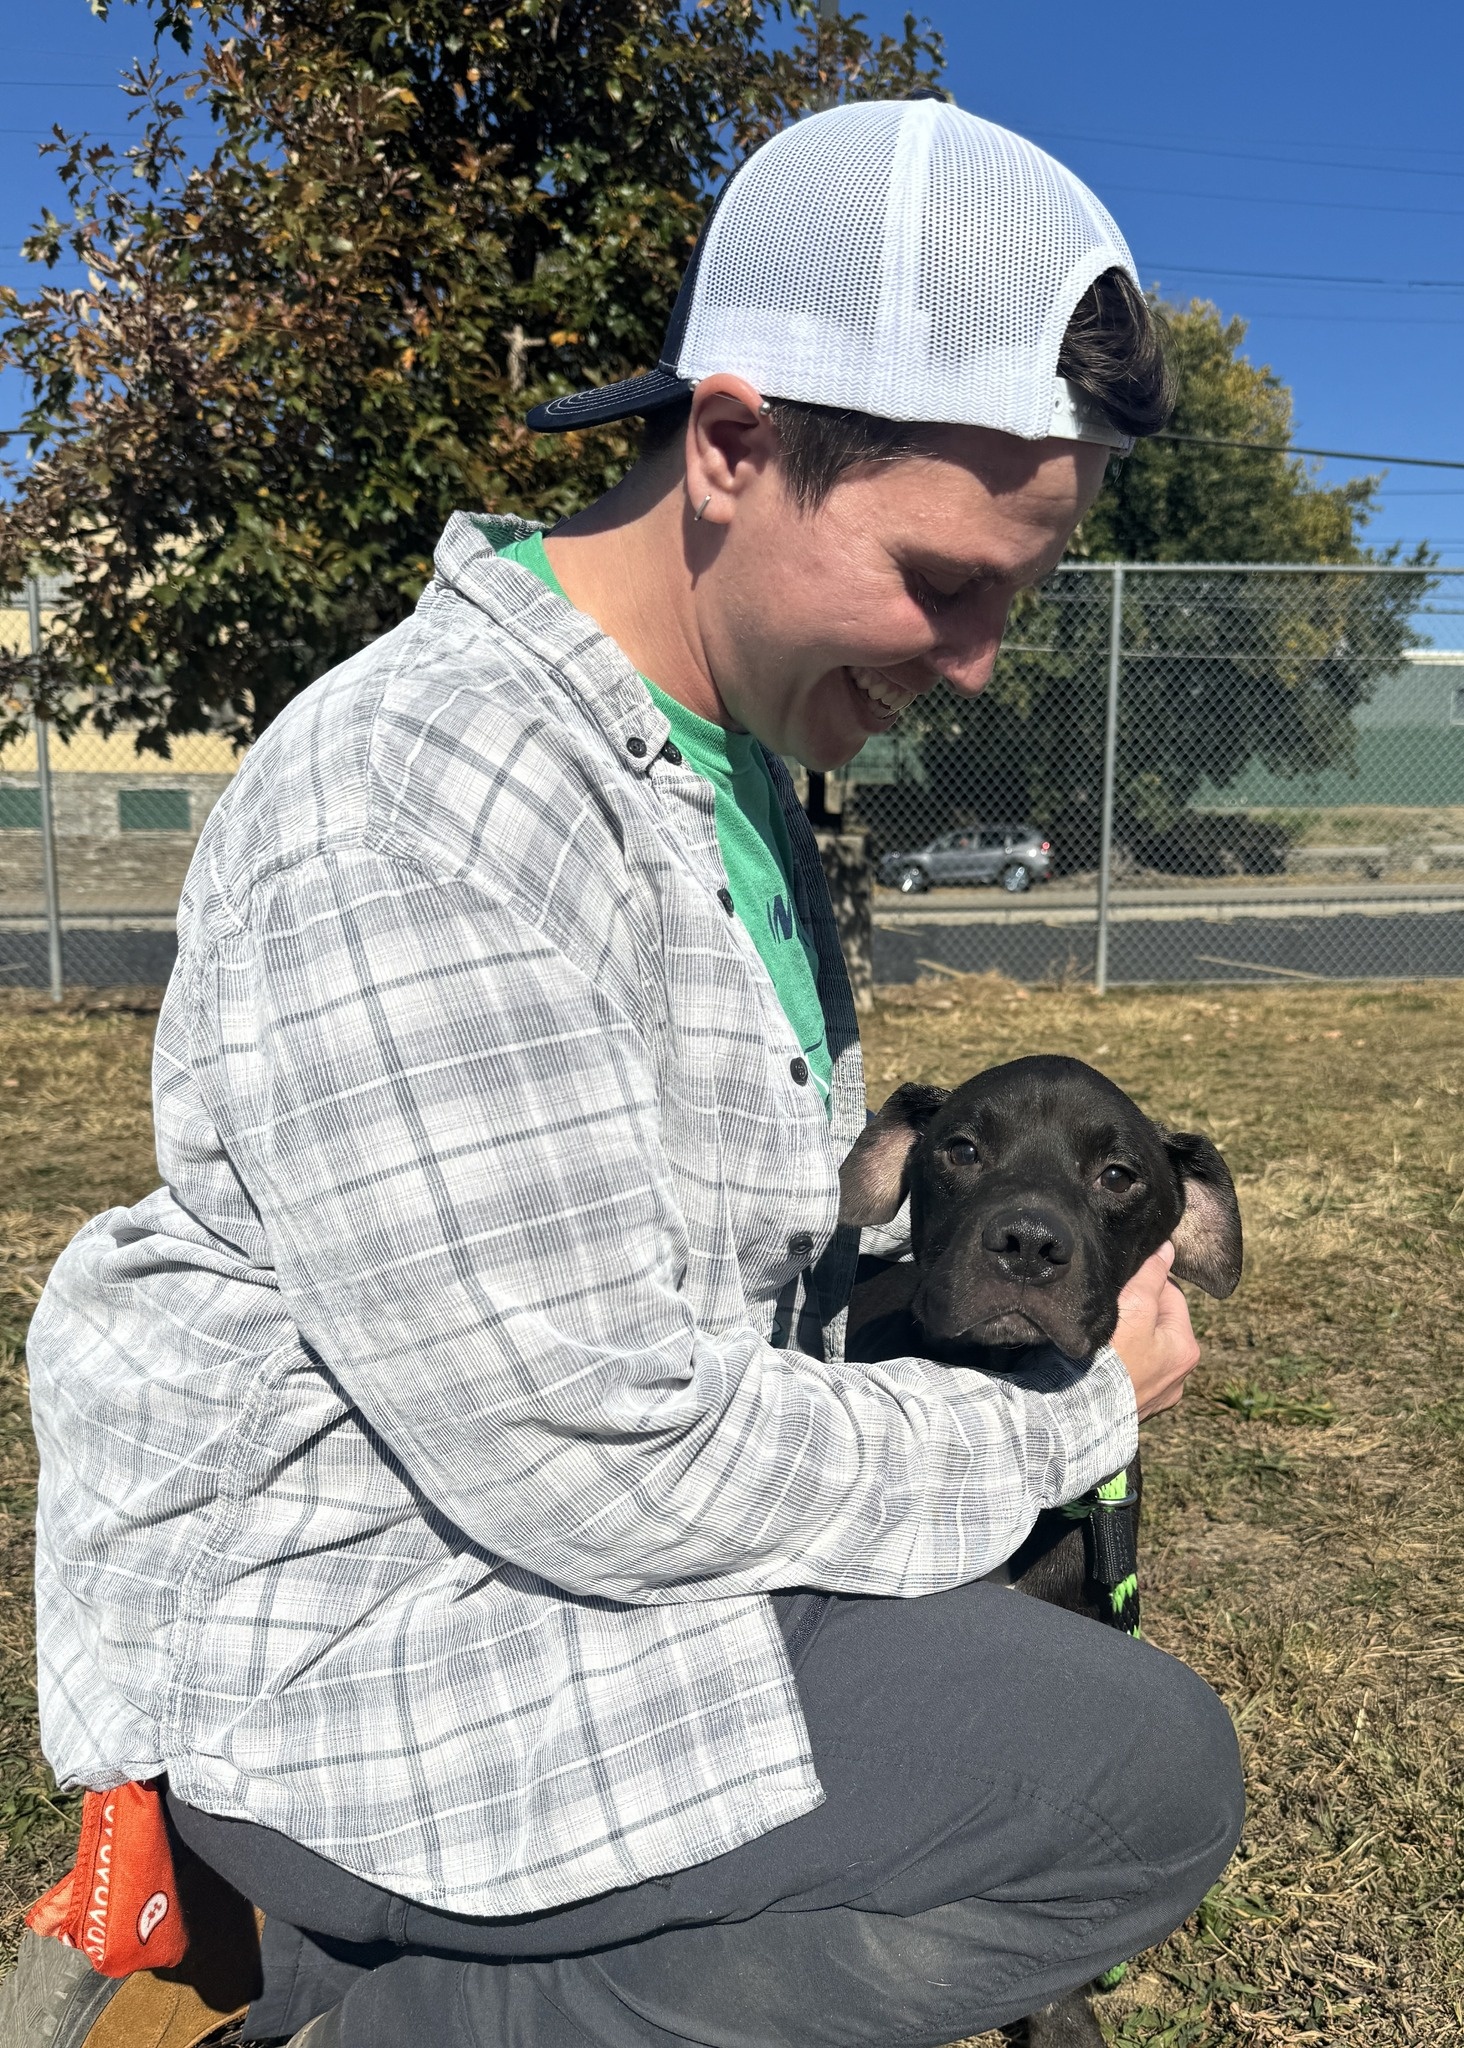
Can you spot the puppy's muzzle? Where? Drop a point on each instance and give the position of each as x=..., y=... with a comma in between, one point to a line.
x=1028, y=1245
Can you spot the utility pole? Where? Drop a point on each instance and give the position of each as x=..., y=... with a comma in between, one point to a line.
x=828, y=10
x=519, y=345
x=828, y=16
x=1110, y=777
x=43, y=780
x=817, y=804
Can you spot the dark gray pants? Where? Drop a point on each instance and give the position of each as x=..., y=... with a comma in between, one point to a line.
x=1016, y=1800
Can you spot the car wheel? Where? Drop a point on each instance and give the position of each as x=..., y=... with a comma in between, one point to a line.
x=912, y=881
x=1016, y=878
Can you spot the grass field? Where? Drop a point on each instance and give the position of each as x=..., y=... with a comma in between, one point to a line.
x=1301, y=1507
x=1371, y=825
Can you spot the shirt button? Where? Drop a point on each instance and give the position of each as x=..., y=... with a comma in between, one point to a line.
x=799, y=1070
x=724, y=897
x=800, y=1247
x=671, y=754
x=635, y=745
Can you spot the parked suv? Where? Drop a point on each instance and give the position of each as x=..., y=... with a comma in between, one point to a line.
x=1014, y=855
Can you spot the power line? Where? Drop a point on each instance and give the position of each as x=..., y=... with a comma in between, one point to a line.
x=1191, y=440
x=1400, y=149
x=1254, y=314
x=1245, y=156
x=1400, y=284
x=1271, y=199
x=1333, y=454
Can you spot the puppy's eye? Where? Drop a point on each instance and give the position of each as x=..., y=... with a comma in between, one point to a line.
x=1117, y=1179
x=961, y=1152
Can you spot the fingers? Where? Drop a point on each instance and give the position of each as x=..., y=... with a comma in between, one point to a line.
x=1147, y=1286
x=1172, y=1323
x=1178, y=1344
x=1154, y=1337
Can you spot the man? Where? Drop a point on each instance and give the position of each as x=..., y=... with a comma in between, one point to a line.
x=451, y=1481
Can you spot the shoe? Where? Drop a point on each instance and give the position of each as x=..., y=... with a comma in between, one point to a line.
x=52, y=1997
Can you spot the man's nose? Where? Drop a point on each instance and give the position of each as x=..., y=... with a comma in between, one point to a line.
x=967, y=656
x=1029, y=1245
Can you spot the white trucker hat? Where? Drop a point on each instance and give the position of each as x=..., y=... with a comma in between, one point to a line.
x=894, y=257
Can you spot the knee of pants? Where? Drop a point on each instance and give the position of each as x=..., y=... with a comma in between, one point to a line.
x=453, y=2002
x=1188, y=1795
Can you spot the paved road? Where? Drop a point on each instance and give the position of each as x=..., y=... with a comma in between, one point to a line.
x=1074, y=902
x=1356, y=946
x=1175, y=938
x=94, y=955
x=1197, y=931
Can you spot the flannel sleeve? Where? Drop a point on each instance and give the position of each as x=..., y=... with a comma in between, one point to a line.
x=450, y=1132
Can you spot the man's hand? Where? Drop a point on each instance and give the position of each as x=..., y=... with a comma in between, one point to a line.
x=1154, y=1338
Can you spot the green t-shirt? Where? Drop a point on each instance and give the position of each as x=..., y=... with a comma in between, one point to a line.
x=754, y=842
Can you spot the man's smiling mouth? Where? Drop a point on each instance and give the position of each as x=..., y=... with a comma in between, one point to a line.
x=882, y=696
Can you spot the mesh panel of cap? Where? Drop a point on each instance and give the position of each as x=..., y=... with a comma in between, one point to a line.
x=901, y=258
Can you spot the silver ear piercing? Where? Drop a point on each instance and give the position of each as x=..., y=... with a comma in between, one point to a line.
x=697, y=515
x=764, y=409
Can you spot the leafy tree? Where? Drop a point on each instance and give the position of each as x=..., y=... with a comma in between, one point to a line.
x=1217, y=670
x=294, y=357
x=1175, y=501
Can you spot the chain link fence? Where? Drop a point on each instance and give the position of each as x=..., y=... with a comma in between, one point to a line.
x=95, y=840
x=1177, y=774
x=1183, y=773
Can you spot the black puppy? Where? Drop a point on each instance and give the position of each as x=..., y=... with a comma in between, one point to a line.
x=1036, y=1191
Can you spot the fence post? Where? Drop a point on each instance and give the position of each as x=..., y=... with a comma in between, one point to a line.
x=48, y=814
x=1110, y=771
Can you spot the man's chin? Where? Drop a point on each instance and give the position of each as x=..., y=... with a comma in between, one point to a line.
x=828, y=760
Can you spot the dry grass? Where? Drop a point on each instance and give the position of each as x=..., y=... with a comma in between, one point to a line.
x=1373, y=825
x=1300, y=1506
x=1300, y=1545
x=75, y=1136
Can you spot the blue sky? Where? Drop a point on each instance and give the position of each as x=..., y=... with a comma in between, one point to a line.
x=1253, y=155
x=1243, y=149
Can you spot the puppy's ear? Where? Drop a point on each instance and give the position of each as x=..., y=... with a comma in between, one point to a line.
x=876, y=1175
x=1207, y=1241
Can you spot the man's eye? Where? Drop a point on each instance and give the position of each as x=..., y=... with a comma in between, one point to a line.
x=961, y=1152
x=930, y=599
x=1117, y=1179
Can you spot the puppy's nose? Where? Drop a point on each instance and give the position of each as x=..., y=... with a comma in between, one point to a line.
x=1028, y=1245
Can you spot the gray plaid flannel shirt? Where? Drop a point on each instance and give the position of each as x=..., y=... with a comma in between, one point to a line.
x=417, y=1460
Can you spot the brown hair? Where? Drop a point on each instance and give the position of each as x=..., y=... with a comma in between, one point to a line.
x=1114, y=350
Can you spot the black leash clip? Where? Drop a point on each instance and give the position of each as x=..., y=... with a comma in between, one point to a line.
x=1111, y=1543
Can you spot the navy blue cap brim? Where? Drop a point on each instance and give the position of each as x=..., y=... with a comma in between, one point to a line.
x=596, y=408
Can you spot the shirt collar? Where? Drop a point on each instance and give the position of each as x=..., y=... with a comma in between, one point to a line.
x=466, y=562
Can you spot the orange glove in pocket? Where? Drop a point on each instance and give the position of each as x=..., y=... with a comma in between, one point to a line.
x=119, y=1903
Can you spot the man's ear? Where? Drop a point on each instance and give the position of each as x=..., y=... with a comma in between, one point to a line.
x=875, y=1177
x=1207, y=1240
